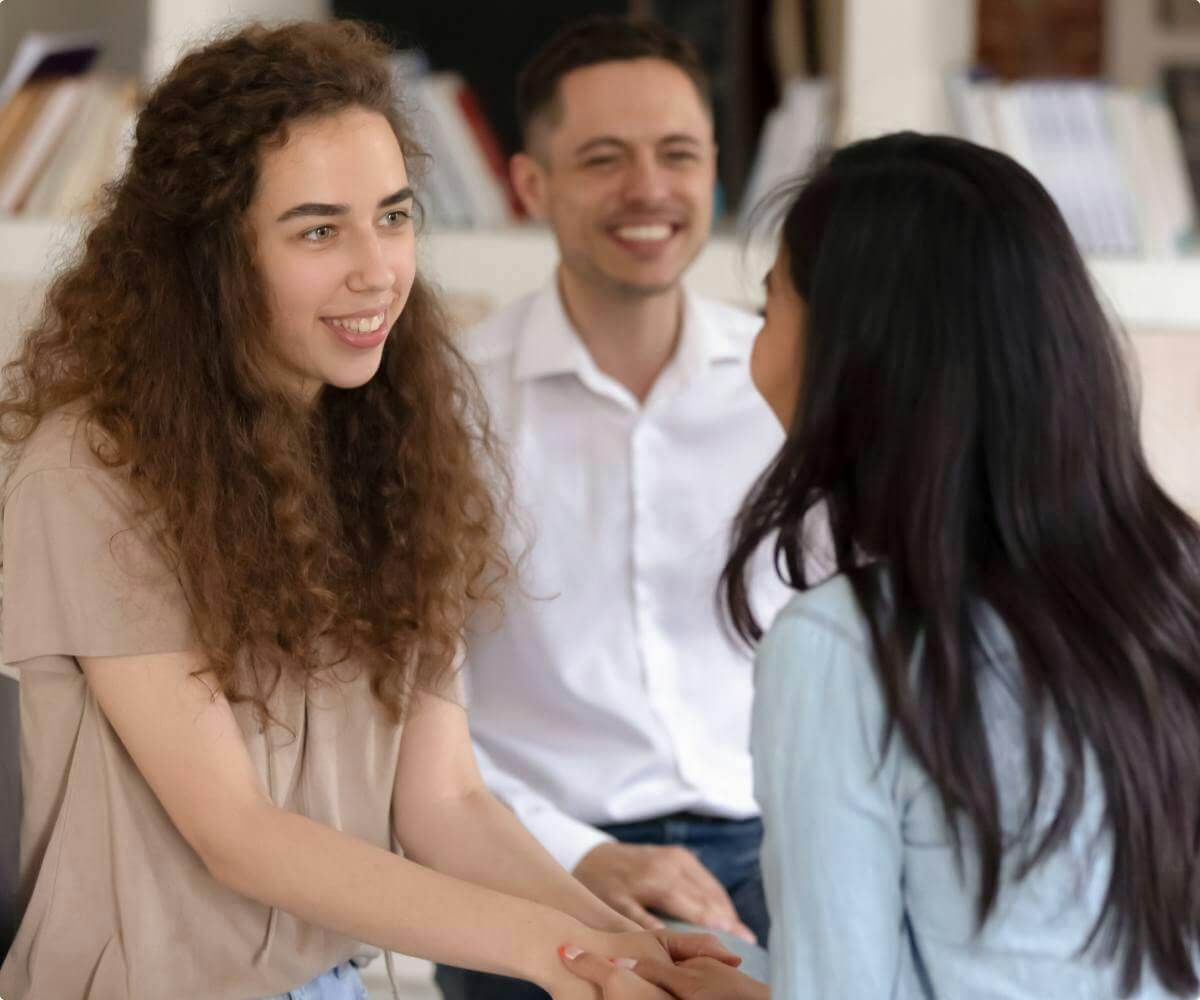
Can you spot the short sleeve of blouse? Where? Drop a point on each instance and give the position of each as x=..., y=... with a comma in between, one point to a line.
x=81, y=577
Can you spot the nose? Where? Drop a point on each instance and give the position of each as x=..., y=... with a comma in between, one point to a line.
x=371, y=270
x=646, y=180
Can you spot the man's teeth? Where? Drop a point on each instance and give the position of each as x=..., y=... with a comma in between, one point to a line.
x=369, y=325
x=644, y=233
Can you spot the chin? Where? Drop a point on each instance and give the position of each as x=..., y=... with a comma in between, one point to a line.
x=647, y=283
x=351, y=379
x=661, y=277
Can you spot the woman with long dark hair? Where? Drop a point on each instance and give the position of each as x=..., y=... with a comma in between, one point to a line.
x=977, y=745
x=245, y=518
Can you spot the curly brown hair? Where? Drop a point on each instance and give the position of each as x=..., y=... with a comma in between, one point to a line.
x=363, y=526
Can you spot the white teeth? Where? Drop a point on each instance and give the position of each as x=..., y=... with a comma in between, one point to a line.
x=369, y=325
x=644, y=233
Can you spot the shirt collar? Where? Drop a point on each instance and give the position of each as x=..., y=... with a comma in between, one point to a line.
x=549, y=344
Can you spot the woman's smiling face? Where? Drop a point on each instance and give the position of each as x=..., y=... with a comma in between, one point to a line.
x=333, y=241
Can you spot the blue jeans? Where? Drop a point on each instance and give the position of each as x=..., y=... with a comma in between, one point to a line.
x=727, y=848
x=340, y=983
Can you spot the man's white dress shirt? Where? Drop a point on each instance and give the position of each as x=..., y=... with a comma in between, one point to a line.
x=610, y=691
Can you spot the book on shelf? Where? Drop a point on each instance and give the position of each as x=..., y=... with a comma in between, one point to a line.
x=61, y=126
x=1180, y=14
x=1182, y=86
x=1048, y=39
x=41, y=55
x=38, y=143
x=793, y=136
x=466, y=183
x=92, y=152
x=1110, y=158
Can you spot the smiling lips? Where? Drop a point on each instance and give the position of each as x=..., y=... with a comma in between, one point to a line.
x=652, y=233
x=363, y=330
x=644, y=239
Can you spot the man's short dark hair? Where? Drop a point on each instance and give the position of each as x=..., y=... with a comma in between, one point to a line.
x=594, y=40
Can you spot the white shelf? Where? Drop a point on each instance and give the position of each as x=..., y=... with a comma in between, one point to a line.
x=501, y=265
x=894, y=61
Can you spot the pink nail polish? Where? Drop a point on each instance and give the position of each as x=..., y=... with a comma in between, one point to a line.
x=624, y=963
x=570, y=951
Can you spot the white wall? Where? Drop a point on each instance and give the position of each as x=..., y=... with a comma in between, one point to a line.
x=175, y=25
x=895, y=56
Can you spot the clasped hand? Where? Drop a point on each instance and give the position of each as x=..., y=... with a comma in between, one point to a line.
x=692, y=967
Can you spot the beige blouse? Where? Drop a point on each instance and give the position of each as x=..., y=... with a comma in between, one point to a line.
x=119, y=907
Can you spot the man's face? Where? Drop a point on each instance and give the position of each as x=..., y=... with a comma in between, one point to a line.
x=624, y=174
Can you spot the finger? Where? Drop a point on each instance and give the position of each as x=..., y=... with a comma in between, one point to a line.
x=720, y=911
x=681, y=898
x=740, y=930
x=682, y=903
x=721, y=916
x=681, y=947
x=709, y=889
x=593, y=968
x=671, y=978
x=629, y=907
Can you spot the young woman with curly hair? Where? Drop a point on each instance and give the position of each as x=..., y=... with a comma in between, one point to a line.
x=245, y=516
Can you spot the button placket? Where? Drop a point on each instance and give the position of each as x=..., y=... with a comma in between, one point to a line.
x=657, y=657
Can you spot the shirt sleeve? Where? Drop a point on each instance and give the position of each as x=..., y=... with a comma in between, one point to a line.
x=832, y=850
x=564, y=837
x=82, y=575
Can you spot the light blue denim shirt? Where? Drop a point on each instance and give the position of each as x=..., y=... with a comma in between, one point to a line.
x=866, y=900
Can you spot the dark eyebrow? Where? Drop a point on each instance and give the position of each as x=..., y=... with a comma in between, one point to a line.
x=404, y=194
x=608, y=140
x=322, y=208
x=603, y=140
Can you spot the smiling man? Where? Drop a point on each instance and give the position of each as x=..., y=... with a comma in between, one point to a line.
x=610, y=709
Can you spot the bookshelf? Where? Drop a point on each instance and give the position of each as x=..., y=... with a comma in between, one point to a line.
x=892, y=58
x=142, y=37
x=1139, y=42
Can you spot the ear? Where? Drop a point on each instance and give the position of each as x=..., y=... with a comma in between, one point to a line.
x=529, y=181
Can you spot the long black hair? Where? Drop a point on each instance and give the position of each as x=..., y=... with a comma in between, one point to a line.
x=967, y=421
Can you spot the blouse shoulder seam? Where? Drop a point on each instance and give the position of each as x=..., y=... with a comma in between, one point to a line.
x=829, y=624
x=42, y=470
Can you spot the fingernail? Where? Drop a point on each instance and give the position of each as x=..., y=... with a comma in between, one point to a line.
x=570, y=951
x=624, y=963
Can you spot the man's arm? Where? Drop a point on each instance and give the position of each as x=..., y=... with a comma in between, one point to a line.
x=566, y=838
x=631, y=878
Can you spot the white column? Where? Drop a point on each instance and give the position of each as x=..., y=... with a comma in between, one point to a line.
x=175, y=26
x=895, y=57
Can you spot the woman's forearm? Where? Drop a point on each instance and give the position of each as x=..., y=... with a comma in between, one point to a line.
x=474, y=837
x=331, y=879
